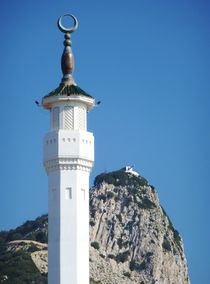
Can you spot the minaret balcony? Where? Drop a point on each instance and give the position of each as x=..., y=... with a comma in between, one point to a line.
x=69, y=144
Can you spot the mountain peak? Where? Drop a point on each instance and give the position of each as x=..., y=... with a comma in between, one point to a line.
x=133, y=240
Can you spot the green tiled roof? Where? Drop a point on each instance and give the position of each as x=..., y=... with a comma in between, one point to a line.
x=67, y=90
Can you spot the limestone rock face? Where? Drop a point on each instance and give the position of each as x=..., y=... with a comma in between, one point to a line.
x=40, y=260
x=132, y=238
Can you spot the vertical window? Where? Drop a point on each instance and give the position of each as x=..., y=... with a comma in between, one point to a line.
x=55, y=118
x=82, y=118
x=68, y=193
x=68, y=117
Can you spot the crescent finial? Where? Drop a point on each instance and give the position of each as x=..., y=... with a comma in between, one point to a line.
x=67, y=30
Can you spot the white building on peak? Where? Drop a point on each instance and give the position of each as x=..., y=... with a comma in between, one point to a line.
x=68, y=160
x=130, y=170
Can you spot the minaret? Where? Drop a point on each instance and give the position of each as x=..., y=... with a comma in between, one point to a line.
x=68, y=160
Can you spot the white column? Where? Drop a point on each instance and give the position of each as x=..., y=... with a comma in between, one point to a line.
x=68, y=156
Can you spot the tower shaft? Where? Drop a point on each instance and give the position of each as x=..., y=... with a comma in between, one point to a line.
x=68, y=159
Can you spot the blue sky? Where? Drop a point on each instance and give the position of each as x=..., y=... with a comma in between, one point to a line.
x=148, y=62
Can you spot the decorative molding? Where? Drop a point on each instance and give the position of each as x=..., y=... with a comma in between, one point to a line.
x=68, y=164
x=52, y=140
x=69, y=117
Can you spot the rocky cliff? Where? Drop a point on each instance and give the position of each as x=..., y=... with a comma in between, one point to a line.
x=132, y=240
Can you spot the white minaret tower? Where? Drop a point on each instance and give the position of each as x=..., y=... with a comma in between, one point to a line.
x=68, y=160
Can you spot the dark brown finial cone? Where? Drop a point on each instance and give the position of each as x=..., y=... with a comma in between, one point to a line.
x=67, y=65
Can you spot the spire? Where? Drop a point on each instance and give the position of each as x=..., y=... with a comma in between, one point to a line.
x=67, y=59
x=67, y=87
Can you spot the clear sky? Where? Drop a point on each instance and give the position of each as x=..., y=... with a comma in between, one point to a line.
x=149, y=64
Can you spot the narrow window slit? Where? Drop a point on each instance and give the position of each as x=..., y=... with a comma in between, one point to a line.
x=68, y=193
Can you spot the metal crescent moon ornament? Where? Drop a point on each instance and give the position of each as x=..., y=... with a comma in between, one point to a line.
x=67, y=30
